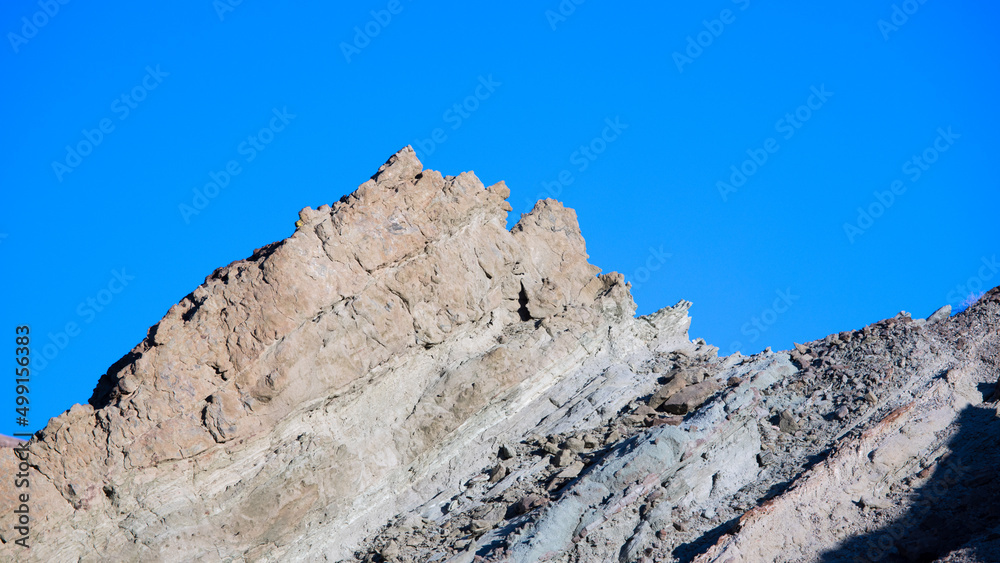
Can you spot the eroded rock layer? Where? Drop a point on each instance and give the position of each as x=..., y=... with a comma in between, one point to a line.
x=404, y=379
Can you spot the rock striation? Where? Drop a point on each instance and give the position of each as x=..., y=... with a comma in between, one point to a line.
x=404, y=379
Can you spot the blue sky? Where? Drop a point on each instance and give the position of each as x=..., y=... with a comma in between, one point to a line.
x=794, y=170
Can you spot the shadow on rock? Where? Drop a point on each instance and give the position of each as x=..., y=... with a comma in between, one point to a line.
x=957, y=509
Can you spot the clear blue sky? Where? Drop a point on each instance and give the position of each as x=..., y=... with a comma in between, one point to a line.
x=641, y=112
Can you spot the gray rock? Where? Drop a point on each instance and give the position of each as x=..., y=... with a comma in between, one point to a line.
x=575, y=445
x=563, y=458
x=391, y=551
x=940, y=315
x=788, y=423
x=506, y=452
x=765, y=458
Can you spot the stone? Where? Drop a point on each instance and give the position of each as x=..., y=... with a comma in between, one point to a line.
x=391, y=551
x=765, y=458
x=994, y=394
x=788, y=423
x=672, y=420
x=563, y=458
x=478, y=527
x=635, y=419
x=665, y=392
x=498, y=472
x=128, y=385
x=575, y=445
x=571, y=471
x=691, y=397
x=940, y=315
x=842, y=413
x=410, y=523
x=506, y=452
x=527, y=503
x=803, y=359
x=694, y=375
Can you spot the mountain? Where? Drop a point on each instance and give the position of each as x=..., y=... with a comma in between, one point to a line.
x=404, y=379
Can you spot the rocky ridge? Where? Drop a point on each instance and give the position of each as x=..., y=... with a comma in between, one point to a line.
x=404, y=379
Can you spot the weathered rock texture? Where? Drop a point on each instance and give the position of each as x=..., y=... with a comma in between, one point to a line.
x=9, y=441
x=404, y=379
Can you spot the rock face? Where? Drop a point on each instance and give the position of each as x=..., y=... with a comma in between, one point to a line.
x=9, y=441
x=404, y=379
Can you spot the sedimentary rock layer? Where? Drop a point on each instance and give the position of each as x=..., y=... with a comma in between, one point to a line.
x=404, y=379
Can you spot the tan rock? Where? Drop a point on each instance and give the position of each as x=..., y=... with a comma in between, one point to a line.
x=691, y=397
x=563, y=458
x=527, y=504
x=571, y=471
x=308, y=378
x=666, y=392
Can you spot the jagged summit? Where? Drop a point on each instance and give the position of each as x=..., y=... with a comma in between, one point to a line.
x=404, y=379
x=302, y=385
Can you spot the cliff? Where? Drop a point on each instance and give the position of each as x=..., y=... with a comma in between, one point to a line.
x=405, y=379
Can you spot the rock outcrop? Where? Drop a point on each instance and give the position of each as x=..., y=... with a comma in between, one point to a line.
x=9, y=441
x=404, y=379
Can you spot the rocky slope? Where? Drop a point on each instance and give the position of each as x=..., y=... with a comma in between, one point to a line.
x=404, y=379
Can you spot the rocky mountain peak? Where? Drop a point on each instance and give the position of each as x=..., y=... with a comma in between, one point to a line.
x=348, y=352
x=404, y=379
